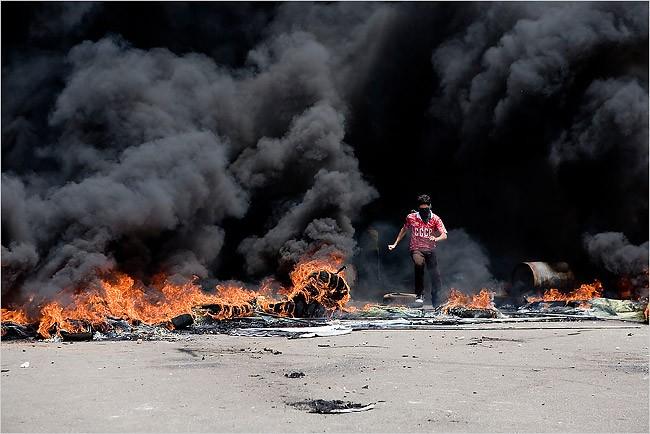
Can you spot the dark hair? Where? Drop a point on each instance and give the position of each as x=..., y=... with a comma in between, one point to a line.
x=424, y=199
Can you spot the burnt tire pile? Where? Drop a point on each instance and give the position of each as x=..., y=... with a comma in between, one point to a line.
x=323, y=291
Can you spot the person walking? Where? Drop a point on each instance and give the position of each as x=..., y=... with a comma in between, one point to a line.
x=426, y=229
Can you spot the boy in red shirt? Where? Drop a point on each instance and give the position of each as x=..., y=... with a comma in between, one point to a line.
x=423, y=225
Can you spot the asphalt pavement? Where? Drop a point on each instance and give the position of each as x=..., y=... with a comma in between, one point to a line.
x=540, y=377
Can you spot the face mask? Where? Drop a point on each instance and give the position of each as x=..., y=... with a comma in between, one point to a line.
x=425, y=214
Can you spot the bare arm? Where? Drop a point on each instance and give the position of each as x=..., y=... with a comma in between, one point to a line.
x=401, y=234
x=440, y=228
x=443, y=236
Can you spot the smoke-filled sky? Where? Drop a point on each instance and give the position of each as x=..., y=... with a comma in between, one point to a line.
x=228, y=140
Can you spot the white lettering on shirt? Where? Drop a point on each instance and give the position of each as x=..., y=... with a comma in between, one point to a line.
x=422, y=232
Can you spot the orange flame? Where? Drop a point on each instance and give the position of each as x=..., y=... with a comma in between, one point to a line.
x=585, y=292
x=303, y=277
x=303, y=269
x=118, y=296
x=483, y=300
x=319, y=280
x=15, y=316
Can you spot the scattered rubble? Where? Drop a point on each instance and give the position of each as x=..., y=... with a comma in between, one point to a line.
x=294, y=332
x=620, y=309
x=478, y=312
x=182, y=321
x=77, y=336
x=463, y=312
x=11, y=330
x=323, y=406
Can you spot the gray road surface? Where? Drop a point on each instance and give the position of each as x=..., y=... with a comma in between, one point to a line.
x=562, y=377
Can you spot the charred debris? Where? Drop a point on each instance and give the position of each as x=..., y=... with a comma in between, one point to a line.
x=318, y=306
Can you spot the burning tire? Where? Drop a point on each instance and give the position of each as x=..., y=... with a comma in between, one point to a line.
x=323, y=291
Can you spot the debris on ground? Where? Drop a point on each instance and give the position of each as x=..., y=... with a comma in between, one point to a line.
x=294, y=332
x=11, y=330
x=628, y=310
x=371, y=317
x=388, y=312
x=77, y=336
x=182, y=321
x=323, y=406
x=463, y=312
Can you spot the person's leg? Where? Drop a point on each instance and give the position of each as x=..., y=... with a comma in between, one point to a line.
x=418, y=263
x=436, y=283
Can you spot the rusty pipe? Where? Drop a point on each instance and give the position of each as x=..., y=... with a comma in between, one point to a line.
x=534, y=277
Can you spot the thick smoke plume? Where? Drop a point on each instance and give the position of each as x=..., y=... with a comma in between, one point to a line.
x=229, y=140
x=613, y=251
x=548, y=104
x=155, y=150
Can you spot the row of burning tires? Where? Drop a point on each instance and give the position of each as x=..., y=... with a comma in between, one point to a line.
x=322, y=292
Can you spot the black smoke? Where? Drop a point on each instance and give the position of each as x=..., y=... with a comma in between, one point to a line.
x=616, y=254
x=229, y=140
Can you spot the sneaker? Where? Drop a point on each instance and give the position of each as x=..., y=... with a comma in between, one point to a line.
x=419, y=300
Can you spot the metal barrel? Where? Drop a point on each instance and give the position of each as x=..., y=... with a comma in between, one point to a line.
x=532, y=278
